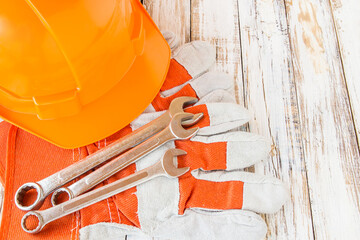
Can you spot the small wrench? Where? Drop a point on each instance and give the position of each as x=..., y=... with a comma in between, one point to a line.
x=174, y=131
x=47, y=185
x=164, y=167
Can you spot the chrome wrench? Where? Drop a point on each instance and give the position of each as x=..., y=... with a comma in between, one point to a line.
x=174, y=131
x=164, y=167
x=47, y=185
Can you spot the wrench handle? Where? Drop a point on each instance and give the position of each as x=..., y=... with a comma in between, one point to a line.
x=119, y=163
x=116, y=148
x=46, y=216
x=47, y=185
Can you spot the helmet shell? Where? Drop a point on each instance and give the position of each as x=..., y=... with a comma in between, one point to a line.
x=76, y=71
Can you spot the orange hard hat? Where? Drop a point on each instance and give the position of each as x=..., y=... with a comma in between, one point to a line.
x=76, y=71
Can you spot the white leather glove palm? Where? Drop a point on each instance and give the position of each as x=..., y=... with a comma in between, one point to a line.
x=216, y=199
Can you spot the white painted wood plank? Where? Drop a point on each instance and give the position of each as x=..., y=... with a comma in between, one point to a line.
x=217, y=22
x=347, y=21
x=171, y=16
x=270, y=94
x=329, y=140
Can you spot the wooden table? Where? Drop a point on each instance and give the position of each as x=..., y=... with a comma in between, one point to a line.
x=296, y=64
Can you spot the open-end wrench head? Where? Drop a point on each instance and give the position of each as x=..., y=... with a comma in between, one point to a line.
x=177, y=104
x=167, y=162
x=196, y=118
x=177, y=129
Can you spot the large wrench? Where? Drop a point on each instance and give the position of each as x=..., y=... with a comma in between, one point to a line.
x=174, y=131
x=47, y=185
x=164, y=167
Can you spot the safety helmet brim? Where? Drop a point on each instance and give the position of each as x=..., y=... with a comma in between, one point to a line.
x=115, y=109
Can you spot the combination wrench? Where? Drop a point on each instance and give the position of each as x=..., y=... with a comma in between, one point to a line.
x=174, y=131
x=164, y=167
x=47, y=185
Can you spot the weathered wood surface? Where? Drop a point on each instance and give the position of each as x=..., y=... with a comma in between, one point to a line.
x=303, y=91
x=347, y=19
x=296, y=65
x=217, y=22
x=270, y=94
x=328, y=135
x=172, y=16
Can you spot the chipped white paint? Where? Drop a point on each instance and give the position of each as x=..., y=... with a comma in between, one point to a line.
x=299, y=93
x=171, y=16
x=270, y=94
x=294, y=84
x=329, y=140
x=347, y=20
x=216, y=22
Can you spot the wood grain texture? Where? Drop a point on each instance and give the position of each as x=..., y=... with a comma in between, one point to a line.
x=285, y=57
x=295, y=64
x=171, y=16
x=217, y=22
x=347, y=20
x=329, y=139
x=270, y=94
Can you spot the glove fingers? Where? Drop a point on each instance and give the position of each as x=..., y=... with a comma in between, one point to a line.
x=199, y=88
x=194, y=224
x=189, y=61
x=197, y=57
x=256, y=192
x=228, y=151
x=198, y=224
x=110, y=231
x=197, y=193
x=193, y=58
x=217, y=96
x=204, y=84
x=220, y=117
x=172, y=39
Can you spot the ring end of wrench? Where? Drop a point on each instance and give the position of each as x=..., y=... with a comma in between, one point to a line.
x=55, y=197
x=39, y=219
x=21, y=193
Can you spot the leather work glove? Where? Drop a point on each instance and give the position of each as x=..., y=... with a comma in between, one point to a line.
x=214, y=200
x=25, y=158
x=214, y=192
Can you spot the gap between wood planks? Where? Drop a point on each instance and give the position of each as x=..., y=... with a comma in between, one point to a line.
x=345, y=47
x=249, y=45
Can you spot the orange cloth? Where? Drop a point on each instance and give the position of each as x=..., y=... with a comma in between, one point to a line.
x=26, y=158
